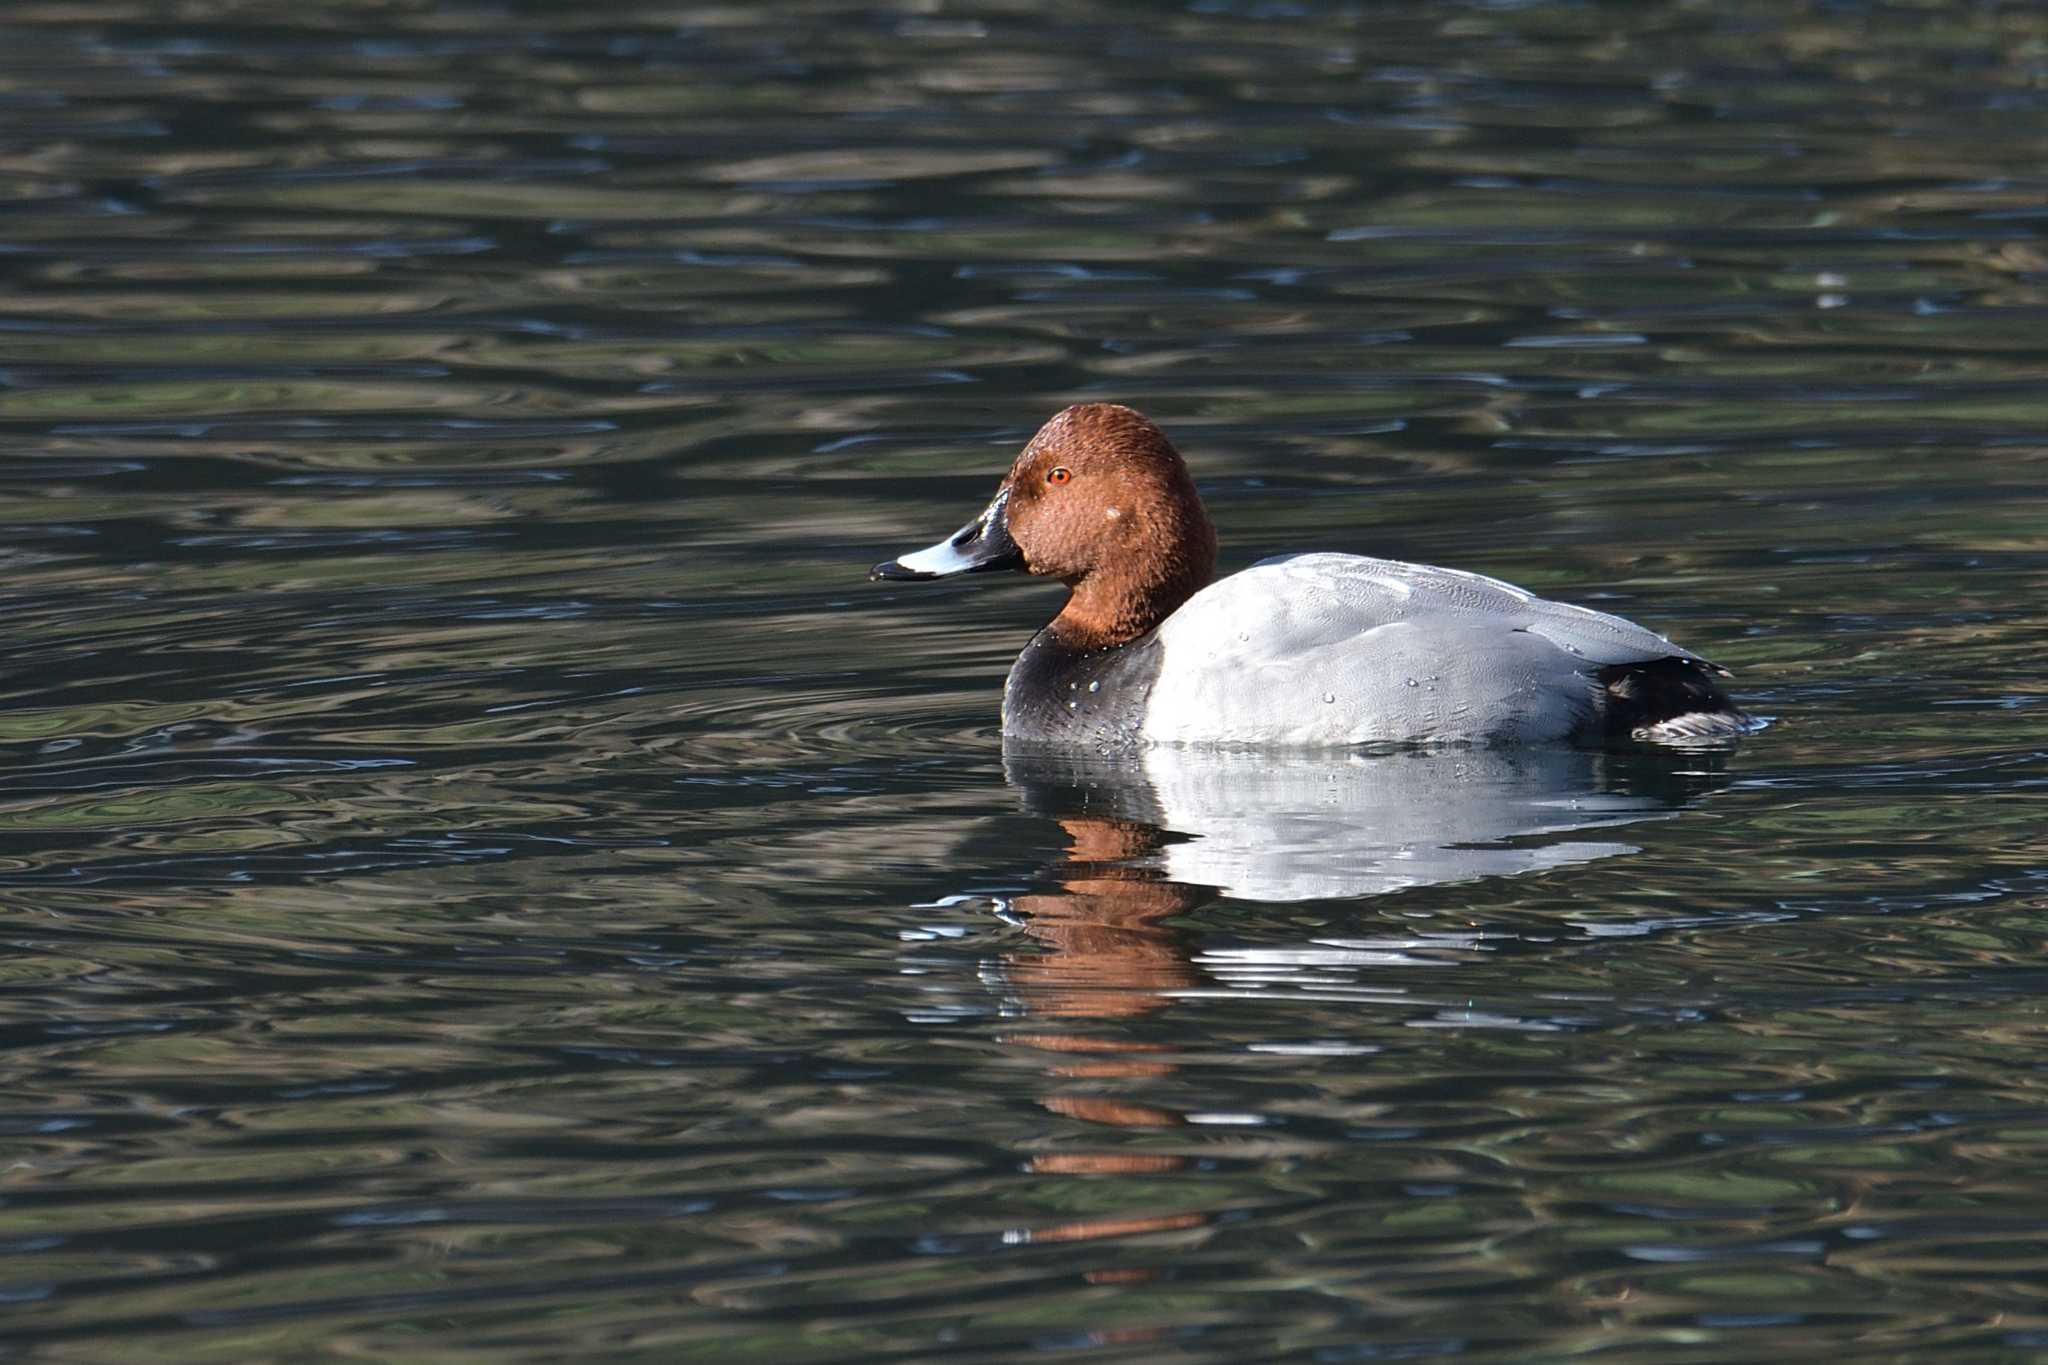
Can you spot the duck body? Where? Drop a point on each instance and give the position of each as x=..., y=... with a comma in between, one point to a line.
x=1335, y=650
x=1306, y=650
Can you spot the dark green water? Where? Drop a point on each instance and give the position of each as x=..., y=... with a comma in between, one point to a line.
x=484, y=878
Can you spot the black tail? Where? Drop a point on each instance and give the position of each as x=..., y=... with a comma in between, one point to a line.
x=1669, y=699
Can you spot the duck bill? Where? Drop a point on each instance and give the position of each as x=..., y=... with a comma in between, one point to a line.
x=980, y=546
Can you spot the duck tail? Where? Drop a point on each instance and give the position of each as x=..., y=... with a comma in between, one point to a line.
x=1670, y=700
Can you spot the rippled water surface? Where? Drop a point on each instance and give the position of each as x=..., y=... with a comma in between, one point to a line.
x=484, y=877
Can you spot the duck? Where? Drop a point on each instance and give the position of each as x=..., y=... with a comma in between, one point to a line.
x=1309, y=650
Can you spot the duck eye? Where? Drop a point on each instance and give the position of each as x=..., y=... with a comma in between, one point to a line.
x=1060, y=474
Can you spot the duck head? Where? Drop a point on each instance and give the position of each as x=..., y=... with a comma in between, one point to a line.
x=1100, y=500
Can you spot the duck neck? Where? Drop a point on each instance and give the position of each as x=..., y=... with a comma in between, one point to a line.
x=1116, y=603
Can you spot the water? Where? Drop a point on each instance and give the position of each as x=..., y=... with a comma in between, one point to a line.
x=484, y=877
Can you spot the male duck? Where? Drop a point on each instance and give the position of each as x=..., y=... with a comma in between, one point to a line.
x=1304, y=649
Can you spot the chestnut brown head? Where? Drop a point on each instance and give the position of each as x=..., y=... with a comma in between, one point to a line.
x=1100, y=500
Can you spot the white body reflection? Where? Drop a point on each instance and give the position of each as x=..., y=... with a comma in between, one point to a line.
x=1257, y=826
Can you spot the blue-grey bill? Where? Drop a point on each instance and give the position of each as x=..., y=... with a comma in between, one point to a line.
x=981, y=546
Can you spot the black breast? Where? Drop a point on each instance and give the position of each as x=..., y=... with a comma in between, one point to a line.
x=1063, y=695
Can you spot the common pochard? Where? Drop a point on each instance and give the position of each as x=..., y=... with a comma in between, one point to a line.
x=1298, y=650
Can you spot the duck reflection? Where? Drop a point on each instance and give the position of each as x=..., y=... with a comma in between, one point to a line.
x=1155, y=835
x=1339, y=826
x=1107, y=947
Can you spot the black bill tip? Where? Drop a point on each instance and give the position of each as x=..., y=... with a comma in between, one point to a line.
x=895, y=572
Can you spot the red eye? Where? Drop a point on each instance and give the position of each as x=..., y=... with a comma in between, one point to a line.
x=1060, y=474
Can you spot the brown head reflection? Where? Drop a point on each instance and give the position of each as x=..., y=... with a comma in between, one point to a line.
x=1108, y=948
